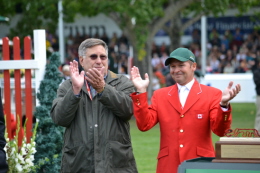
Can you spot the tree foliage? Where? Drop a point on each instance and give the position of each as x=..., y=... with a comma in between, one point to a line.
x=31, y=15
x=49, y=136
x=140, y=20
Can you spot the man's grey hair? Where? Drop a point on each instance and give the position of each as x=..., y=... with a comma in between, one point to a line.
x=88, y=43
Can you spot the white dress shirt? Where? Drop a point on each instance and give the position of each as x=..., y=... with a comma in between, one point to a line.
x=184, y=91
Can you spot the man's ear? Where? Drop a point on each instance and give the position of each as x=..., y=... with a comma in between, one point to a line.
x=80, y=60
x=194, y=65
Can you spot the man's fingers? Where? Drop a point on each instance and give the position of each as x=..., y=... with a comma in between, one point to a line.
x=74, y=67
x=146, y=76
x=95, y=77
x=132, y=73
x=238, y=87
x=230, y=84
x=82, y=73
x=89, y=79
x=135, y=72
x=233, y=92
x=93, y=73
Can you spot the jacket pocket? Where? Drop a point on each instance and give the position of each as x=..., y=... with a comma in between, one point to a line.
x=72, y=160
x=205, y=152
x=163, y=152
x=120, y=155
x=163, y=160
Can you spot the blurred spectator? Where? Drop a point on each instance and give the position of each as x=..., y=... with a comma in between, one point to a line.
x=123, y=48
x=250, y=58
x=258, y=54
x=228, y=35
x=122, y=64
x=225, y=42
x=249, y=42
x=215, y=40
x=163, y=48
x=208, y=67
x=256, y=36
x=195, y=48
x=238, y=38
x=70, y=41
x=163, y=58
x=123, y=39
x=229, y=56
x=112, y=64
x=196, y=37
x=228, y=68
x=156, y=61
x=155, y=83
x=113, y=42
x=242, y=68
x=96, y=35
x=154, y=48
x=227, y=59
x=241, y=55
x=65, y=72
x=234, y=49
x=213, y=34
x=215, y=51
x=214, y=63
x=169, y=80
x=160, y=76
x=105, y=38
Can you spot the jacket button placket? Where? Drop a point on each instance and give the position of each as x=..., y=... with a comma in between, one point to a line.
x=181, y=130
x=95, y=116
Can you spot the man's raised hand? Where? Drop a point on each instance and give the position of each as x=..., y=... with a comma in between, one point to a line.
x=76, y=77
x=140, y=84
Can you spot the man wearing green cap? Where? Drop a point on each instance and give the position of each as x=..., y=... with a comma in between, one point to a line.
x=187, y=112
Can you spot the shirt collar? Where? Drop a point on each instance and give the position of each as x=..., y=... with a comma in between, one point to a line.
x=188, y=85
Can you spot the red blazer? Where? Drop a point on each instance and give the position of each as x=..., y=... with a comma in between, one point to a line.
x=185, y=133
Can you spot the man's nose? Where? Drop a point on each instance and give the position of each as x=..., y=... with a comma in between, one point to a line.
x=98, y=60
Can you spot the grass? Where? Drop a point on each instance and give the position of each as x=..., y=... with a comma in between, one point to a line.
x=146, y=144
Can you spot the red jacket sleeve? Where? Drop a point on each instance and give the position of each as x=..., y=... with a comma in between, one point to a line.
x=146, y=116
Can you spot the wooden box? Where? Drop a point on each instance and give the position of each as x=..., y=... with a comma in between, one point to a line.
x=237, y=150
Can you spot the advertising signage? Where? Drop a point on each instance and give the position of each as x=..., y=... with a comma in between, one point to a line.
x=221, y=24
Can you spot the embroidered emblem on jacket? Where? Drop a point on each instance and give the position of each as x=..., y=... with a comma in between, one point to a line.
x=199, y=116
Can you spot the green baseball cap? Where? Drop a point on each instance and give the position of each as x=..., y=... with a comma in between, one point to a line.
x=181, y=54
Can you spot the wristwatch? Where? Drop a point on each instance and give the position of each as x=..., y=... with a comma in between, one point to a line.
x=224, y=106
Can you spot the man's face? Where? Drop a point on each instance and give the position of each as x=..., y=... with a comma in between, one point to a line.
x=66, y=73
x=182, y=72
x=96, y=57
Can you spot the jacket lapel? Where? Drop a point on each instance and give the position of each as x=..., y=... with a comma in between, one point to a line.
x=193, y=97
x=111, y=76
x=173, y=98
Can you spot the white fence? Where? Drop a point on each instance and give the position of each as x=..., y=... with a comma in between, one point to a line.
x=221, y=81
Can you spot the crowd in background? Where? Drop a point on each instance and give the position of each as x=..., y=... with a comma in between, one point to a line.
x=118, y=49
x=226, y=53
